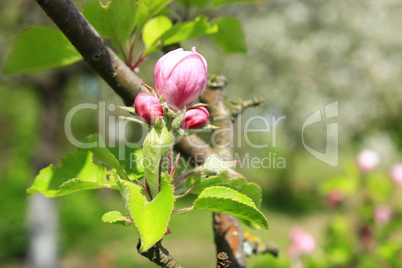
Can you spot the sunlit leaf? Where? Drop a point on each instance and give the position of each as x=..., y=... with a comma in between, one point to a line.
x=154, y=29
x=147, y=9
x=226, y=200
x=77, y=173
x=115, y=217
x=241, y=185
x=155, y=145
x=150, y=218
x=116, y=20
x=230, y=37
x=188, y=29
x=215, y=3
x=193, y=3
x=40, y=48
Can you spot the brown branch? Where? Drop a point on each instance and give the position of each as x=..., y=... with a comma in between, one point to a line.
x=159, y=255
x=93, y=48
x=227, y=229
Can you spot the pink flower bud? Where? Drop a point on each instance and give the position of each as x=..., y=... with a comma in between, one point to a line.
x=382, y=214
x=367, y=160
x=148, y=108
x=396, y=174
x=181, y=76
x=195, y=118
x=301, y=242
x=334, y=198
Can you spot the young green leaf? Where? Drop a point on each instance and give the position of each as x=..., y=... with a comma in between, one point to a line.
x=115, y=217
x=155, y=145
x=102, y=153
x=252, y=190
x=193, y=3
x=147, y=9
x=116, y=20
x=189, y=29
x=226, y=200
x=150, y=218
x=230, y=37
x=40, y=48
x=154, y=29
x=77, y=173
x=215, y=3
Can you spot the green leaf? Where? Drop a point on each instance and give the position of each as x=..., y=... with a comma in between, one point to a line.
x=155, y=145
x=226, y=200
x=103, y=154
x=154, y=29
x=116, y=20
x=189, y=29
x=40, y=48
x=147, y=9
x=77, y=173
x=252, y=190
x=193, y=3
x=150, y=218
x=130, y=158
x=216, y=3
x=115, y=217
x=230, y=37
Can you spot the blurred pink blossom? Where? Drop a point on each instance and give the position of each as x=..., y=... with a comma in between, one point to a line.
x=367, y=160
x=301, y=243
x=396, y=174
x=334, y=198
x=382, y=214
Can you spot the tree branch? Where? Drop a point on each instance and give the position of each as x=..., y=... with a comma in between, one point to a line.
x=227, y=229
x=159, y=255
x=93, y=48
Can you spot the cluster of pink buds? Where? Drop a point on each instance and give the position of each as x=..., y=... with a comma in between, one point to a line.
x=301, y=243
x=180, y=77
x=367, y=161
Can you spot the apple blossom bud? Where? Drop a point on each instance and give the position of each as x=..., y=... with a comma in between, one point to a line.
x=396, y=174
x=367, y=160
x=334, y=198
x=181, y=76
x=195, y=118
x=148, y=108
x=382, y=214
x=301, y=243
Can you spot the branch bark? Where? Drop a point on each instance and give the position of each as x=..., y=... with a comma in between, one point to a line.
x=93, y=48
x=227, y=229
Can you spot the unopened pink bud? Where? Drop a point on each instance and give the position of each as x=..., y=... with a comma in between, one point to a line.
x=301, y=242
x=367, y=160
x=181, y=76
x=148, y=108
x=334, y=198
x=396, y=174
x=195, y=118
x=382, y=214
